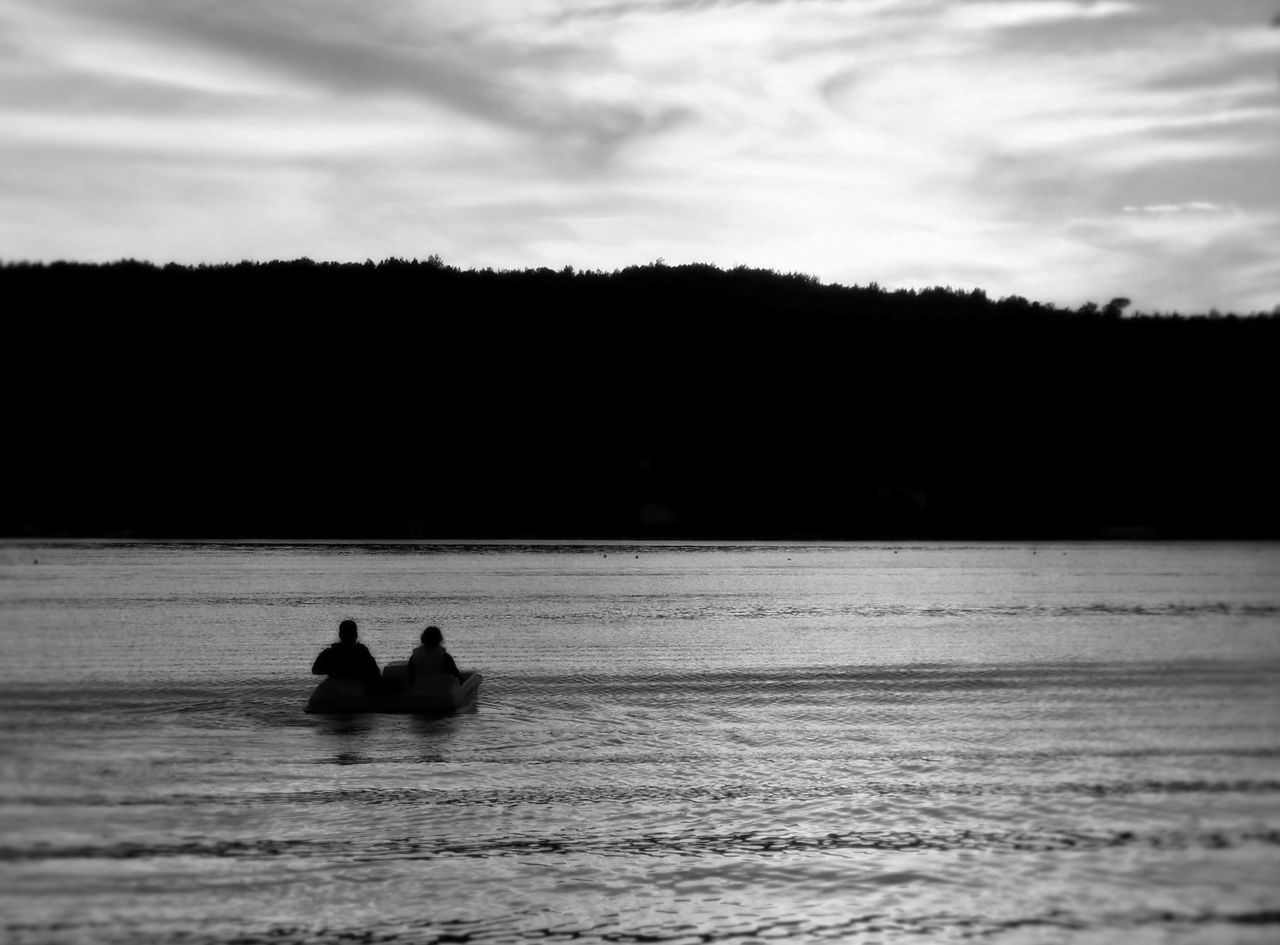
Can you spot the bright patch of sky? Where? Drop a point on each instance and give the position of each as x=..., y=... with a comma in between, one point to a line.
x=1062, y=150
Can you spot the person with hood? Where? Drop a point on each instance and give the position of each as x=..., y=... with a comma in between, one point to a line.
x=432, y=658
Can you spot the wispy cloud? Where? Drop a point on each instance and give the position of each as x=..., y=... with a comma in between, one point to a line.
x=1007, y=14
x=1194, y=206
x=1017, y=145
x=296, y=50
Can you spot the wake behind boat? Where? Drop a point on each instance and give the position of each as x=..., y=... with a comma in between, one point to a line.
x=434, y=692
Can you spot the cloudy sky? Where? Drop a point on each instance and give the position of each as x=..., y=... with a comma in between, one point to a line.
x=1063, y=150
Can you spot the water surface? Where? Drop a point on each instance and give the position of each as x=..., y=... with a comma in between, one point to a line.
x=716, y=743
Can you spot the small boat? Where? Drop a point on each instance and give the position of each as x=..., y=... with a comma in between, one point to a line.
x=437, y=692
x=429, y=693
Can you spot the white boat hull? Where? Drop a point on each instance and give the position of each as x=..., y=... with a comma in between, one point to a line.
x=435, y=693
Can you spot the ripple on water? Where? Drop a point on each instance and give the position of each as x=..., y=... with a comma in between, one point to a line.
x=692, y=921
x=692, y=789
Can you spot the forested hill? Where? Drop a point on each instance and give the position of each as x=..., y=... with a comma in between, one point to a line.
x=407, y=399
x=635, y=288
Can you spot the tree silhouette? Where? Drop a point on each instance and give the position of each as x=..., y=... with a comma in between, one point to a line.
x=406, y=397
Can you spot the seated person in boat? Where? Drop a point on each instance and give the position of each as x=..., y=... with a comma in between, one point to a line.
x=348, y=659
x=432, y=658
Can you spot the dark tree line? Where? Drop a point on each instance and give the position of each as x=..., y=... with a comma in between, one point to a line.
x=406, y=399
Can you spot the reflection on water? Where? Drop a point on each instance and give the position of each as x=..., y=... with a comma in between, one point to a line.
x=717, y=745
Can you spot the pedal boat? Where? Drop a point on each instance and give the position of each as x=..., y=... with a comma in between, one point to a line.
x=434, y=693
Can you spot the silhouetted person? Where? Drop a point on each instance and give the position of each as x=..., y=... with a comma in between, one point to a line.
x=348, y=659
x=432, y=658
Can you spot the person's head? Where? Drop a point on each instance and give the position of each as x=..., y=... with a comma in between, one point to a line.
x=347, y=631
x=432, y=636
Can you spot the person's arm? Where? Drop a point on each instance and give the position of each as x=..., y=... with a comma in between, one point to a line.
x=371, y=667
x=321, y=666
x=451, y=666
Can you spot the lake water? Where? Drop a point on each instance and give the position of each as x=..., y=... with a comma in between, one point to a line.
x=692, y=743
